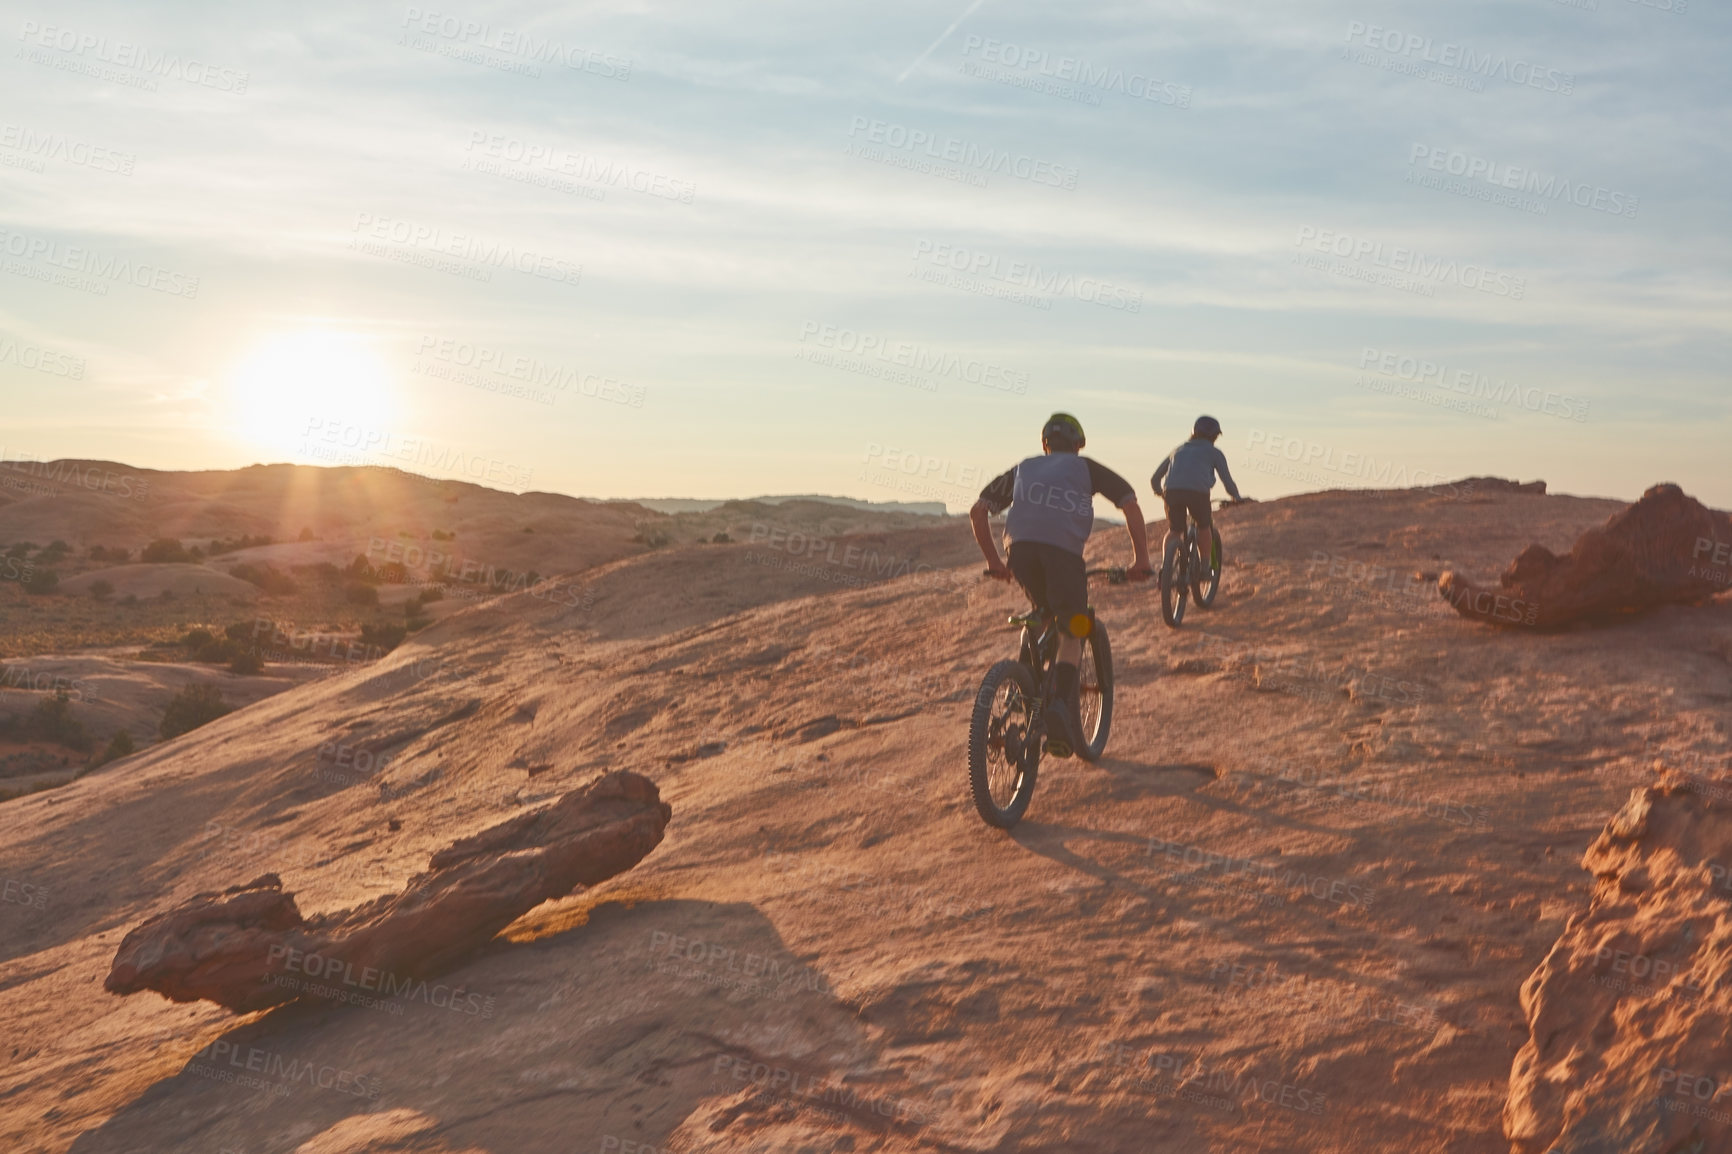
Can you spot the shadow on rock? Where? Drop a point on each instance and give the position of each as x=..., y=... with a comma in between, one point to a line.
x=645, y=1022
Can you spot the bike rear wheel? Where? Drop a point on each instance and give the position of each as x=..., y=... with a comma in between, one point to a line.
x=1206, y=576
x=1175, y=585
x=1095, y=680
x=1004, y=739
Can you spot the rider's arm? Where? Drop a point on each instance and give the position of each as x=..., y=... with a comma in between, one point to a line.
x=1118, y=490
x=1226, y=476
x=1160, y=471
x=995, y=498
x=1139, y=532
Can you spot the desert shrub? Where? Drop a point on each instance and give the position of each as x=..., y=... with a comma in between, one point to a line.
x=393, y=573
x=270, y=580
x=119, y=746
x=357, y=593
x=654, y=538
x=219, y=546
x=42, y=581
x=721, y=538
x=101, y=590
x=386, y=637
x=197, y=704
x=239, y=631
x=196, y=639
x=163, y=550
x=51, y=720
x=56, y=551
x=431, y=594
x=360, y=570
x=306, y=534
x=129, y=599
x=444, y=535
x=21, y=549
x=416, y=624
x=247, y=662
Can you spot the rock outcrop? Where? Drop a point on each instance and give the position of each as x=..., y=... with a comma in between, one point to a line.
x=1666, y=549
x=249, y=947
x=1630, y=1014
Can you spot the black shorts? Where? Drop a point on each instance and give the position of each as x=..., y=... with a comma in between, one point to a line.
x=1182, y=501
x=1056, y=580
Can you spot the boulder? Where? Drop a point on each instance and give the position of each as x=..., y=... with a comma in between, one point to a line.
x=1630, y=1014
x=1660, y=551
x=249, y=947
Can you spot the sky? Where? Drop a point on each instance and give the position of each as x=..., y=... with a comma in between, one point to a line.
x=716, y=250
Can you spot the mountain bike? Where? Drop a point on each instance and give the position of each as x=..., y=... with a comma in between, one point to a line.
x=1184, y=574
x=1007, y=734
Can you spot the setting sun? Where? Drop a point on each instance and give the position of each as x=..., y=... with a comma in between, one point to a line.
x=291, y=379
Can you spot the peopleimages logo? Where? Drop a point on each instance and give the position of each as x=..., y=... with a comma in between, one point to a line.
x=461, y=33
x=1473, y=384
x=905, y=355
x=1412, y=262
x=1489, y=66
x=1024, y=275
x=1079, y=71
x=119, y=52
x=984, y=161
x=56, y=364
x=409, y=235
x=88, y=262
x=1508, y=176
x=57, y=146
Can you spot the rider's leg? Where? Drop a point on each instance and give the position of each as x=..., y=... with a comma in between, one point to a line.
x=1175, y=530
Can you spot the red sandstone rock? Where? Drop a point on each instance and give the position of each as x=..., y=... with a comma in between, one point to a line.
x=1630, y=1014
x=1659, y=551
x=249, y=947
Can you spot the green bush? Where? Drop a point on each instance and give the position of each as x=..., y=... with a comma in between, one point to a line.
x=164, y=550
x=386, y=637
x=270, y=580
x=51, y=720
x=247, y=662
x=119, y=746
x=198, y=704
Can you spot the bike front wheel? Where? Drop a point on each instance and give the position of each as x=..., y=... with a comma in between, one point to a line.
x=1095, y=681
x=1004, y=738
x=1206, y=577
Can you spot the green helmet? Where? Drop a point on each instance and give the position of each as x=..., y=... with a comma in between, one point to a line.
x=1063, y=431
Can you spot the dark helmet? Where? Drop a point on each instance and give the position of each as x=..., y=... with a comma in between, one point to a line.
x=1206, y=427
x=1063, y=432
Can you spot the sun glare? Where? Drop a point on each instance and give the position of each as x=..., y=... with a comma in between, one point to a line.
x=295, y=386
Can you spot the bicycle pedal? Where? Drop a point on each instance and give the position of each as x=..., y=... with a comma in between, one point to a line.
x=1058, y=747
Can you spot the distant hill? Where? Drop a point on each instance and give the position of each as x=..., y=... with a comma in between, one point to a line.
x=700, y=505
